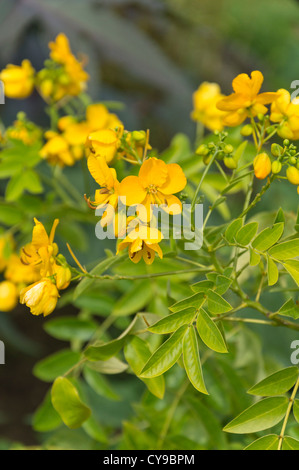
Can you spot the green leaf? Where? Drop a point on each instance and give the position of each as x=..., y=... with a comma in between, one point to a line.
x=15, y=187
x=173, y=322
x=45, y=418
x=57, y=364
x=296, y=410
x=70, y=328
x=285, y=250
x=137, y=353
x=222, y=284
x=217, y=304
x=269, y=442
x=262, y=415
x=292, y=268
x=67, y=403
x=255, y=258
x=279, y=216
x=268, y=237
x=209, y=333
x=289, y=309
x=202, y=286
x=134, y=300
x=273, y=273
x=233, y=229
x=99, y=384
x=10, y=215
x=195, y=300
x=31, y=182
x=111, y=366
x=276, y=384
x=246, y=233
x=192, y=361
x=289, y=443
x=94, y=430
x=166, y=355
x=103, y=351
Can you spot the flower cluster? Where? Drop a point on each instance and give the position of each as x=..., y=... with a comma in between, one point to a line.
x=52, y=271
x=63, y=75
x=66, y=145
x=156, y=185
x=246, y=102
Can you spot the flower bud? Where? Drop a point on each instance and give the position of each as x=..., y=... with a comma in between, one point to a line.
x=228, y=149
x=202, y=150
x=262, y=166
x=230, y=163
x=276, y=167
x=293, y=175
x=292, y=160
x=276, y=150
x=246, y=130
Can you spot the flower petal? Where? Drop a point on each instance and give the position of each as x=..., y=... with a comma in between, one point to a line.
x=176, y=180
x=153, y=172
x=131, y=189
x=100, y=171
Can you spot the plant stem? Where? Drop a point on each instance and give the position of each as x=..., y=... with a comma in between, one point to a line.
x=202, y=180
x=285, y=422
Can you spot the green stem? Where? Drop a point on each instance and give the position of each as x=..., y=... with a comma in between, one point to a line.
x=285, y=422
x=202, y=180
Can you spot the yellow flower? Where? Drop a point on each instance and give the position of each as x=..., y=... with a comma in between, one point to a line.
x=18, y=80
x=60, y=49
x=205, y=110
x=143, y=242
x=156, y=183
x=8, y=296
x=57, y=150
x=41, y=249
x=41, y=297
x=108, y=194
x=104, y=143
x=246, y=100
x=287, y=113
x=262, y=166
x=293, y=175
x=98, y=117
x=25, y=131
x=19, y=273
x=75, y=76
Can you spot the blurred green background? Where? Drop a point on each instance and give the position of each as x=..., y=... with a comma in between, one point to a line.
x=151, y=55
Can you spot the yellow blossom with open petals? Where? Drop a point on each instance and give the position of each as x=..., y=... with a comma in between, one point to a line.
x=68, y=78
x=8, y=296
x=41, y=249
x=143, y=242
x=286, y=112
x=19, y=273
x=205, y=99
x=156, y=183
x=41, y=297
x=57, y=150
x=246, y=100
x=104, y=143
x=18, y=80
x=108, y=194
x=98, y=117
